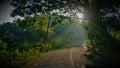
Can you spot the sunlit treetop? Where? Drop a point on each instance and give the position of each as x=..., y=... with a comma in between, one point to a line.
x=24, y=8
x=32, y=7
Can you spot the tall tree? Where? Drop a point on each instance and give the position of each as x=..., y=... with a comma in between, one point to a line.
x=97, y=11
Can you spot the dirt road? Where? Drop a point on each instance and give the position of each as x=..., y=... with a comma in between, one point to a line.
x=72, y=56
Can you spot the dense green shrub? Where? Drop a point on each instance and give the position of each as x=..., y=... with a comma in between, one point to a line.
x=27, y=39
x=96, y=39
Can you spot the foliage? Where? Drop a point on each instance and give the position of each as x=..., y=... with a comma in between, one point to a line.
x=104, y=14
x=112, y=23
x=27, y=39
x=27, y=36
x=98, y=43
x=116, y=37
x=96, y=40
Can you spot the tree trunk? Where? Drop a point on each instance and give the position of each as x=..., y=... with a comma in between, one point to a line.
x=48, y=25
x=92, y=13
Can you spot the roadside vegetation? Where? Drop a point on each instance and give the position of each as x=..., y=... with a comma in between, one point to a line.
x=27, y=39
x=97, y=42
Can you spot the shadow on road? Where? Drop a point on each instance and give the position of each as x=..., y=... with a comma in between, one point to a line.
x=98, y=62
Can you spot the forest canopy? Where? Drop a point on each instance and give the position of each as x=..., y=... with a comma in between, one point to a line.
x=24, y=39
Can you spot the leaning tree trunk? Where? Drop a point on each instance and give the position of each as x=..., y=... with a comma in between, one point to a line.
x=93, y=14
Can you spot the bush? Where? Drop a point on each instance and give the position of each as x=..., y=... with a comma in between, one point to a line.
x=96, y=40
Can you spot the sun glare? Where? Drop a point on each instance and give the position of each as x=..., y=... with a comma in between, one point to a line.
x=80, y=15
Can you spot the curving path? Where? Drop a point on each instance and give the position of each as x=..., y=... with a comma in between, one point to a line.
x=71, y=56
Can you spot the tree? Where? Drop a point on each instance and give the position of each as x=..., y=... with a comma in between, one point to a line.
x=96, y=11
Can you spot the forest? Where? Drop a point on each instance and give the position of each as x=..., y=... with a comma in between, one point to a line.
x=42, y=26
